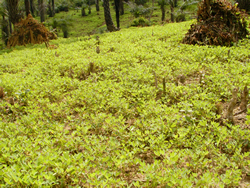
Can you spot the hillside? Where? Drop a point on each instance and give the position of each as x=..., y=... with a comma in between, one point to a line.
x=143, y=110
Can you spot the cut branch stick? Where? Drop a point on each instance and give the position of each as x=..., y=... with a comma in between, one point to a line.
x=91, y=68
x=232, y=104
x=164, y=86
x=219, y=108
x=244, y=98
x=240, y=112
x=1, y=92
x=156, y=83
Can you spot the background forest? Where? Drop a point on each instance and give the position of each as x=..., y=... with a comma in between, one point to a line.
x=85, y=17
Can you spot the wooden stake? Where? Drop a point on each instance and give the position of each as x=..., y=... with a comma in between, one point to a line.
x=232, y=104
x=1, y=92
x=156, y=83
x=244, y=98
x=164, y=86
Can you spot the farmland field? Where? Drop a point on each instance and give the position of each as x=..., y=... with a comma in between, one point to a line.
x=133, y=108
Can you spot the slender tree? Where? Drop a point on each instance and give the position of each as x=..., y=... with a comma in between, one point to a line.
x=84, y=6
x=38, y=7
x=27, y=7
x=117, y=14
x=171, y=3
x=175, y=3
x=108, y=19
x=5, y=30
x=50, y=8
x=13, y=13
x=172, y=14
x=12, y=7
x=4, y=23
x=89, y=8
x=32, y=7
x=41, y=8
x=53, y=8
x=121, y=7
x=97, y=5
x=10, y=26
x=163, y=4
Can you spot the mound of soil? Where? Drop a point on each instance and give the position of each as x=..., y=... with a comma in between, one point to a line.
x=218, y=23
x=28, y=31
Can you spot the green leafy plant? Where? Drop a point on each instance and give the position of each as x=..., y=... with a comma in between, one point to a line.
x=142, y=112
x=63, y=24
x=62, y=6
x=139, y=10
x=140, y=22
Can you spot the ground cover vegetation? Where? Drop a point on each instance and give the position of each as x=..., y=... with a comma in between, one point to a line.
x=132, y=108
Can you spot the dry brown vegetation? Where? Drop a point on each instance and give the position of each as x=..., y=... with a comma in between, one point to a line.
x=28, y=31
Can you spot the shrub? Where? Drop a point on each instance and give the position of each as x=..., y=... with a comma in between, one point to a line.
x=180, y=18
x=79, y=3
x=140, y=10
x=63, y=6
x=140, y=22
x=63, y=24
x=140, y=2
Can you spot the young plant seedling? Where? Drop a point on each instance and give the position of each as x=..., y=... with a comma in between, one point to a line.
x=1, y=93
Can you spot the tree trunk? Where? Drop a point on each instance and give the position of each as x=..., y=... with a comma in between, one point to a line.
x=12, y=7
x=41, y=10
x=27, y=7
x=163, y=13
x=117, y=6
x=32, y=7
x=65, y=34
x=121, y=7
x=5, y=30
x=50, y=8
x=38, y=7
x=172, y=13
x=108, y=18
x=83, y=12
x=175, y=3
x=97, y=5
x=10, y=26
x=153, y=2
x=89, y=8
x=53, y=8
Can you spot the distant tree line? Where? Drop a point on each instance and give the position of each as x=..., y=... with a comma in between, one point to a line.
x=13, y=10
